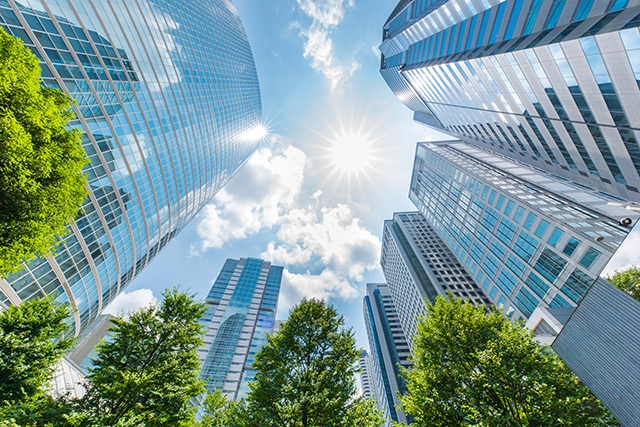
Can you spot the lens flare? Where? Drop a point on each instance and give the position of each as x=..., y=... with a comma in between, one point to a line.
x=351, y=153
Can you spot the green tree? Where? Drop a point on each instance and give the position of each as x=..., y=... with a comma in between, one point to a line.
x=41, y=184
x=476, y=367
x=623, y=279
x=149, y=369
x=305, y=373
x=31, y=345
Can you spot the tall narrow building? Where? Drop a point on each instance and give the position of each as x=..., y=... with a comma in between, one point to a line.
x=169, y=108
x=389, y=350
x=367, y=381
x=241, y=311
x=418, y=266
x=527, y=236
x=553, y=84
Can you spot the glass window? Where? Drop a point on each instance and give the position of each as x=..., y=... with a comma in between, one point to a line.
x=519, y=213
x=492, y=198
x=484, y=193
x=501, y=301
x=555, y=236
x=493, y=292
x=583, y=10
x=505, y=231
x=525, y=246
x=500, y=202
x=589, y=257
x=526, y=302
x=542, y=227
x=550, y=265
x=558, y=301
x=507, y=210
x=514, y=265
x=571, y=246
x=530, y=218
x=537, y=285
x=577, y=284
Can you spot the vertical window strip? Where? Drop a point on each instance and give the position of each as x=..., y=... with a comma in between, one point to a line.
x=533, y=15
x=461, y=35
x=513, y=20
x=618, y=4
x=483, y=27
x=471, y=30
x=556, y=11
x=497, y=22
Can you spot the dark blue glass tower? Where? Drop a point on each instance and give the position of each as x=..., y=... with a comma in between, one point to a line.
x=169, y=105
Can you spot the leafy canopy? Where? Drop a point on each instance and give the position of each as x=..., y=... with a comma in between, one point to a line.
x=474, y=367
x=305, y=374
x=623, y=279
x=149, y=369
x=31, y=345
x=41, y=184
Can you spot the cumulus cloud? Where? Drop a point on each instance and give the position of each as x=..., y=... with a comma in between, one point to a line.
x=325, y=250
x=130, y=301
x=318, y=46
x=255, y=198
x=336, y=238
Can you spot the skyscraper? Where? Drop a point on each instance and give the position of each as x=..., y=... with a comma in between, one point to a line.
x=527, y=236
x=553, y=84
x=366, y=376
x=418, y=265
x=241, y=311
x=389, y=350
x=169, y=106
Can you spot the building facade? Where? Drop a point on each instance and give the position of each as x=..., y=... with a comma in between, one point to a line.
x=418, y=266
x=241, y=311
x=527, y=236
x=600, y=344
x=366, y=376
x=169, y=107
x=389, y=350
x=553, y=84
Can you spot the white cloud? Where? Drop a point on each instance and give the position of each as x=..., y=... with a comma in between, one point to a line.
x=130, y=301
x=324, y=286
x=328, y=245
x=337, y=239
x=325, y=15
x=626, y=255
x=255, y=198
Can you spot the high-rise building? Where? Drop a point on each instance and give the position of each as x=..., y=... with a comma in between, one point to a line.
x=241, y=311
x=366, y=376
x=389, y=350
x=169, y=107
x=418, y=266
x=527, y=236
x=554, y=84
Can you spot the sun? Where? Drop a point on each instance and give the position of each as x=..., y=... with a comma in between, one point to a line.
x=351, y=153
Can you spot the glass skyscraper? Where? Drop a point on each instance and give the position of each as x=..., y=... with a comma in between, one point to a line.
x=169, y=105
x=241, y=311
x=527, y=236
x=554, y=84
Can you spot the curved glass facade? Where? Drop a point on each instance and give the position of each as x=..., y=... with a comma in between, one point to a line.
x=169, y=104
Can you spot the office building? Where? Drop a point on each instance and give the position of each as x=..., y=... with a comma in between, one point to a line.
x=418, y=266
x=241, y=311
x=600, y=345
x=389, y=350
x=169, y=107
x=527, y=236
x=554, y=84
x=366, y=376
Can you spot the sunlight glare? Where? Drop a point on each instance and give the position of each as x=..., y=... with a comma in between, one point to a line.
x=256, y=133
x=351, y=153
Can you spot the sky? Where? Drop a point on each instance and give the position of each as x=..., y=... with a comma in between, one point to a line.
x=336, y=163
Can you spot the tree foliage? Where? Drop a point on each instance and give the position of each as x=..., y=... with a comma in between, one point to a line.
x=305, y=373
x=476, y=367
x=149, y=369
x=41, y=184
x=31, y=345
x=623, y=279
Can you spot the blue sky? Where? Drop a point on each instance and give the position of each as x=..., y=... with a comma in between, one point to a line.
x=318, y=69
